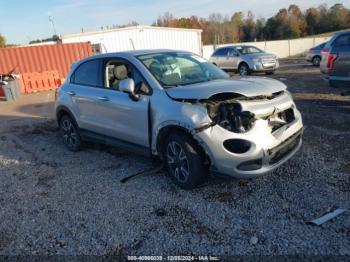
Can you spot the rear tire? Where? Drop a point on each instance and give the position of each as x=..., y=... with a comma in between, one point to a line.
x=316, y=61
x=70, y=133
x=244, y=69
x=184, y=160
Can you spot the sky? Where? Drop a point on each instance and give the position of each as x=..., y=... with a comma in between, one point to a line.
x=22, y=20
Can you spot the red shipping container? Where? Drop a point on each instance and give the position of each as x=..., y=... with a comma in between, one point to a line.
x=29, y=59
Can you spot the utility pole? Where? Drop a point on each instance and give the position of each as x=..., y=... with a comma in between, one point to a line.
x=53, y=24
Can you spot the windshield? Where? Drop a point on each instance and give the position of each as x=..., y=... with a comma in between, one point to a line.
x=247, y=50
x=176, y=69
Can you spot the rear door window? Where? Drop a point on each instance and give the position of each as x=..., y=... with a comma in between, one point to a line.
x=343, y=40
x=321, y=46
x=232, y=52
x=88, y=74
x=221, y=52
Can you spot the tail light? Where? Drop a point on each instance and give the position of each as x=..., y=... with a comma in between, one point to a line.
x=330, y=61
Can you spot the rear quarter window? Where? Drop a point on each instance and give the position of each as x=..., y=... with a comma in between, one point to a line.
x=89, y=73
x=321, y=46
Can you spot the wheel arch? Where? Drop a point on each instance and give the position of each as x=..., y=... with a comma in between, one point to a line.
x=168, y=129
x=243, y=62
x=63, y=110
x=164, y=132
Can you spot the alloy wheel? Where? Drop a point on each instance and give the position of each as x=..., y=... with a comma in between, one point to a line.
x=177, y=161
x=70, y=135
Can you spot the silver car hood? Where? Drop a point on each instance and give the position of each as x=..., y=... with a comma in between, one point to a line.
x=246, y=86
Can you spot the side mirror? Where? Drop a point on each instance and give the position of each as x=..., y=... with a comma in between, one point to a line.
x=128, y=86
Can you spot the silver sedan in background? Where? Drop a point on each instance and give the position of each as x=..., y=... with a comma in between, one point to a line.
x=314, y=54
x=244, y=60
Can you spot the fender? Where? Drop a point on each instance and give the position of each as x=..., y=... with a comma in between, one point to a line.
x=63, y=109
x=181, y=126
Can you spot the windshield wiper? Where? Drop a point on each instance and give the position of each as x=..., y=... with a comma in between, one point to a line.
x=169, y=86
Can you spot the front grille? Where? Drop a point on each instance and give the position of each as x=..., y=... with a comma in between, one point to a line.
x=279, y=152
x=262, y=97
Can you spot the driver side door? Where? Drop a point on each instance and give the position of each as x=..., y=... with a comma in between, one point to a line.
x=121, y=117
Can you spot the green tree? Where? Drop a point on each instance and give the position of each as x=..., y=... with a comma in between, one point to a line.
x=297, y=23
x=337, y=17
x=323, y=25
x=270, y=28
x=285, y=24
x=281, y=30
x=312, y=20
x=237, y=21
x=2, y=41
x=249, y=27
x=260, y=28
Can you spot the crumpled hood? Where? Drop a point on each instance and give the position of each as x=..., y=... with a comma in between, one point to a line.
x=246, y=86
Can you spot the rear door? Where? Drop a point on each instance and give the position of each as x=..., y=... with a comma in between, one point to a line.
x=341, y=68
x=221, y=56
x=84, y=85
x=233, y=59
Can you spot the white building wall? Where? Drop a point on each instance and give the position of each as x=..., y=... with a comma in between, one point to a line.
x=142, y=37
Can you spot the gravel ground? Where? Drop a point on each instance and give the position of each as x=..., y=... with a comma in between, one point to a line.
x=55, y=202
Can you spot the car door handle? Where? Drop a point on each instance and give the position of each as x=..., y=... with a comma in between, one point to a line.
x=71, y=93
x=103, y=98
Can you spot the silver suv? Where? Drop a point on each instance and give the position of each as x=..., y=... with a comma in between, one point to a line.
x=181, y=108
x=244, y=60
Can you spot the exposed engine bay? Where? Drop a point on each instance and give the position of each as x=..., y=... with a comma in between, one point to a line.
x=226, y=111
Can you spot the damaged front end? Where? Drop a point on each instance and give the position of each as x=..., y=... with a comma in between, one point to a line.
x=226, y=111
x=231, y=111
x=248, y=135
x=247, y=127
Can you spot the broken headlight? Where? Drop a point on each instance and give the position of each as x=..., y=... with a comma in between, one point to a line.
x=231, y=117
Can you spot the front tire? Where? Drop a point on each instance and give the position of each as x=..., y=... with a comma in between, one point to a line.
x=244, y=69
x=184, y=160
x=70, y=133
x=270, y=73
